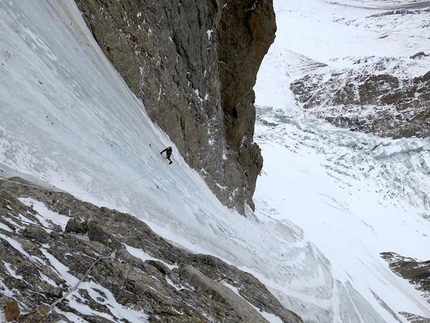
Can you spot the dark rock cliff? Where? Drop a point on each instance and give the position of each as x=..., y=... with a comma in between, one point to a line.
x=194, y=64
x=51, y=273
x=416, y=272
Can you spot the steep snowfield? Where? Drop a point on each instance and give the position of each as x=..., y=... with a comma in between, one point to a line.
x=327, y=201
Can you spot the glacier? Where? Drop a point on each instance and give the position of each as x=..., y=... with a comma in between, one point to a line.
x=328, y=201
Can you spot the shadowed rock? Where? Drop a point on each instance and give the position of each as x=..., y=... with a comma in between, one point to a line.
x=172, y=285
x=194, y=64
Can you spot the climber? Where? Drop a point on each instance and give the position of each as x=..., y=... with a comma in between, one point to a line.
x=168, y=151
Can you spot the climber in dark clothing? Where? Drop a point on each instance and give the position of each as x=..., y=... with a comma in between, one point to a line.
x=168, y=151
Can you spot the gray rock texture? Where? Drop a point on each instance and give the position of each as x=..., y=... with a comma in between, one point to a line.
x=382, y=104
x=416, y=272
x=194, y=64
x=171, y=285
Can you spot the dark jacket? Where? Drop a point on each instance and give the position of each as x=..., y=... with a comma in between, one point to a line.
x=168, y=151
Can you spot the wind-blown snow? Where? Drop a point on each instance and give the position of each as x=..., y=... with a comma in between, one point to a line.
x=328, y=201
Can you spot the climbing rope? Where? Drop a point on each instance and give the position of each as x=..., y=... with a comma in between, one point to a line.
x=29, y=185
x=76, y=193
x=78, y=283
x=73, y=289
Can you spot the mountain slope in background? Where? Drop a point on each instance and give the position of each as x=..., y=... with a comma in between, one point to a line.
x=321, y=50
x=361, y=65
x=327, y=204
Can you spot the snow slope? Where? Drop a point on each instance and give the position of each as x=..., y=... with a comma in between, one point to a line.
x=327, y=203
x=353, y=195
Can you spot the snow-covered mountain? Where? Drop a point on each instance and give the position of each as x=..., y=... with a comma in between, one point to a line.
x=362, y=65
x=384, y=182
x=328, y=202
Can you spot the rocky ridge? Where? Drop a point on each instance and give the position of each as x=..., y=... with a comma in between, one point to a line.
x=416, y=272
x=41, y=259
x=194, y=65
x=378, y=103
x=383, y=95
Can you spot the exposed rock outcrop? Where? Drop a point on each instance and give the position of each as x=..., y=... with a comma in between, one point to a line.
x=47, y=273
x=416, y=272
x=415, y=318
x=194, y=64
x=382, y=104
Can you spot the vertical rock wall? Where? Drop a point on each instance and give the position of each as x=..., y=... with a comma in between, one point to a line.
x=194, y=63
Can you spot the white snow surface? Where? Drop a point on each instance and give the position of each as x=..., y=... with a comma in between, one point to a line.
x=328, y=201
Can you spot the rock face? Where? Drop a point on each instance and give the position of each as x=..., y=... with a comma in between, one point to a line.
x=382, y=104
x=416, y=272
x=49, y=275
x=194, y=63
